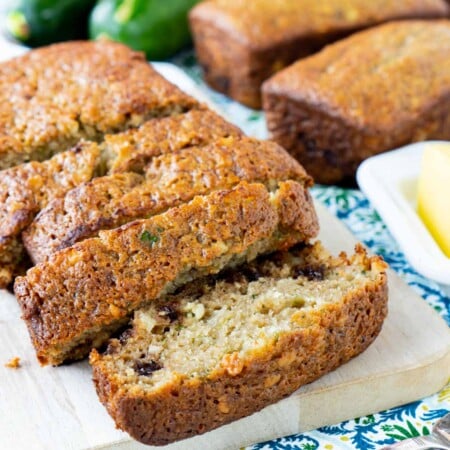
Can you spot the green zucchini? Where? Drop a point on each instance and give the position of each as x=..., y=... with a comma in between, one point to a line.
x=42, y=22
x=157, y=27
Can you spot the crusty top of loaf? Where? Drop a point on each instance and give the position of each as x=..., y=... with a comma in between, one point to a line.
x=265, y=23
x=374, y=79
x=77, y=89
x=132, y=149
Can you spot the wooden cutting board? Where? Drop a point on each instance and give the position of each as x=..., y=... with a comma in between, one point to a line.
x=57, y=408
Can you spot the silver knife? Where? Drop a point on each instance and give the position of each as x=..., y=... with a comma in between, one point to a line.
x=438, y=439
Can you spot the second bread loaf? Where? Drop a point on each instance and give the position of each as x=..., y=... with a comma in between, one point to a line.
x=374, y=91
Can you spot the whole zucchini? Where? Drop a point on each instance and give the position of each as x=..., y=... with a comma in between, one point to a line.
x=157, y=27
x=42, y=22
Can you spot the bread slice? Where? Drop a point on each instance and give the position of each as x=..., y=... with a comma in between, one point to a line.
x=82, y=294
x=52, y=97
x=28, y=188
x=225, y=347
x=169, y=180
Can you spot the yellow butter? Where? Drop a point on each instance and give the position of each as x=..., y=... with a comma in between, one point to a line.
x=434, y=193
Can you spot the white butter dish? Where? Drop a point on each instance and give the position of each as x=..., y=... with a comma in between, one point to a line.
x=389, y=181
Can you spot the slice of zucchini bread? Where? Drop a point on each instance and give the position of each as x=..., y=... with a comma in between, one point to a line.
x=225, y=347
x=52, y=97
x=81, y=294
x=169, y=180
x=28, y=188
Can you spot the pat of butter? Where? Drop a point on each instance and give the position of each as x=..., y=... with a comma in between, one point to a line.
x=434, y=194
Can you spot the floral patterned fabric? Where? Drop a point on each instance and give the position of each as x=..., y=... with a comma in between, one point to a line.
x=353, y=208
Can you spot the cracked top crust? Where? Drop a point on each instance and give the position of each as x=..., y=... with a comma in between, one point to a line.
x=52, y=97
x=405, y=64
x=262, y=24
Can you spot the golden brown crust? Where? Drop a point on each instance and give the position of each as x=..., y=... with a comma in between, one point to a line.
x=185, y=407
x=75, y=90
x=320, y=110
x=28, y=188
x=169, y=180
x=70, y=301
x=103, y=203
x=133, y=149
x=240, y=44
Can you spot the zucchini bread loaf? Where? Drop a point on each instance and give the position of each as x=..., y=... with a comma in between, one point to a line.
x=82, y=294
x=28, y=188
x=228, y=346
x=241, y=43
x=168, y=180
x=371, y=92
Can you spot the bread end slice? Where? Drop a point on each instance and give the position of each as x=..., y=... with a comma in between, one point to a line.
x=228, y=346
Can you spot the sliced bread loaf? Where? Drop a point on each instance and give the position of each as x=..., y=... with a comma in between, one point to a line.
x=80, y=295
x=228, y=346
x=169, y=180
x=28, y=188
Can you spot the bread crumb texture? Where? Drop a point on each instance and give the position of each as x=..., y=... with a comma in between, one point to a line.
x=227, y=346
